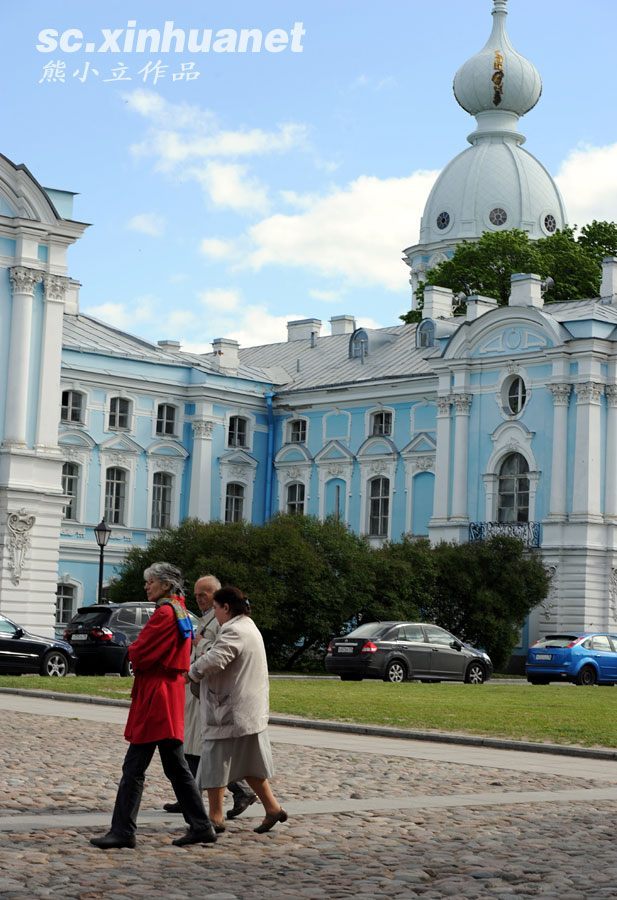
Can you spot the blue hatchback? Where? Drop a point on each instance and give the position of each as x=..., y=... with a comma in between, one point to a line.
x=580, y=658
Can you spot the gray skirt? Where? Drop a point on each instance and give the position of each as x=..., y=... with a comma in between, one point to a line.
x=232, y=759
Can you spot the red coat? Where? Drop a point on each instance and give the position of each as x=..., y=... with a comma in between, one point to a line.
x=159, y=656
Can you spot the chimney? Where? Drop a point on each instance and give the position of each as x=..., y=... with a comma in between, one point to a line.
x=302, y=329
x=226, y=354
x=342, y=324
x=478, y=305
x=169, y=345
x=608, y=287
x=437, y=302
x=526, y=290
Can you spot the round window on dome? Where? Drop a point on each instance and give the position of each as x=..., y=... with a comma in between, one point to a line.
x=550, y=224
x=498, y=216
x=443, y=220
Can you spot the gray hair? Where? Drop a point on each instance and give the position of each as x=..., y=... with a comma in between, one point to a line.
x=167, y=574
x=212, y=579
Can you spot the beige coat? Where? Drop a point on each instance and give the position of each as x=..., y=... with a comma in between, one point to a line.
x=207, y=630
x=235, y=686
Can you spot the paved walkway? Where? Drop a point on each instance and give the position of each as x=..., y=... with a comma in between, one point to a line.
x=369, y=816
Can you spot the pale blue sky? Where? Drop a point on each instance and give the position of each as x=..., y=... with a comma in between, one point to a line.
x=284, y=184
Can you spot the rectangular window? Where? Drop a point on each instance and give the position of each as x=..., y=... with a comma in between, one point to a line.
x=237, y=432
x=379, y=507
x=297, y=431
x=295, y=499
x=234, y=503
x=115, y=497
x=161, y=500
x=70, y=486
x=65, y=600
x=166, y=420
x=382, y=423
x=119, y=413
x=71, y=409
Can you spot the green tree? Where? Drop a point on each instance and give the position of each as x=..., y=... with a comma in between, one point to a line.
x=404, y=581
x=599, y=239
x=485, y=590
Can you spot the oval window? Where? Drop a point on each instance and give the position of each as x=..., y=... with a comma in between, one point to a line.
x=498, y=216
x=443, y=220
x=550, y=224
x=517, y=394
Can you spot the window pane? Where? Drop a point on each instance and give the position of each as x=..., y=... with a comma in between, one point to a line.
x=166, y=419
x=237, y=431
x=115, y=496
x=70, y=481
x=65, y=598
x=161, y=500
x=234, y=503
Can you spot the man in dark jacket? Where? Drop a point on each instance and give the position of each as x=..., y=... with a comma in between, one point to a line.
x=160, y=656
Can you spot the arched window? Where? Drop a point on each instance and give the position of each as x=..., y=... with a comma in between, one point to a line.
x=65, y=604
x=162, y=484
x=234, y=502
x=358, y=344
x=115, y=496
x=295, y=499
x=379, y=507
x=72, y=408
x=70, y=488
x=119, y=414
x=166, y=420
x=425, y=334
x=513, y=498
x=238, y=432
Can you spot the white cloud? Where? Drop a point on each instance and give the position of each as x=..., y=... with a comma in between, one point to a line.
x=356, y=232
x=258, y=326
x=123, y=316
x=220, y=299
x=325, y=296
x=147, y=223
x=588, y=181
x=231, y=187
x=216, y=248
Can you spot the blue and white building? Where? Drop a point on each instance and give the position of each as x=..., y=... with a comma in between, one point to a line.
x=499, y=420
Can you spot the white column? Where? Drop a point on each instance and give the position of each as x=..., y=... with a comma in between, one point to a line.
x=610, y=491
x=23, y=282
x=442, y=459
x=586, y=498
x=200, y=498
x=561, y=397
x=462, y=407
x=51, y=362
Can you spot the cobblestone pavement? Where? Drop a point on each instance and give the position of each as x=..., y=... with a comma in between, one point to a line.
x=59, y=767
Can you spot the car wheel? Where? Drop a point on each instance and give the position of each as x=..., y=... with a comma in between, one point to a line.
x=395, y=672
x=587, y=676
x=55, y=663
x=127, y=668
x=475, y=674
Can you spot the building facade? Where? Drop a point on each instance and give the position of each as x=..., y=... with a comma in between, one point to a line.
x=502, y=420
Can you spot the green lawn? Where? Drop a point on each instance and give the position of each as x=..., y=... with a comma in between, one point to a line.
x=558, y=714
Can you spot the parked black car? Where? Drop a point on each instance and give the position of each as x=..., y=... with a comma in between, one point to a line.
x=100, y=635
x=22, y=652
x=397, y=651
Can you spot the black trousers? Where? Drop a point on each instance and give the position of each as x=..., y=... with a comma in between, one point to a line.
x=128, y=799
x=239, y=789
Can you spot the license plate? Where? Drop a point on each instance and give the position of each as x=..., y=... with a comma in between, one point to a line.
x=544, y=656
x=345, y=649
x=79, y=637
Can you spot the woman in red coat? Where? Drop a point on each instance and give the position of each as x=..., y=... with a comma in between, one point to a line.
x=159, y=656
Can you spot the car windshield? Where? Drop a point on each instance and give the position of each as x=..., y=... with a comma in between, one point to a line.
x=371, y=629
x=556, y=640
x=95, y=617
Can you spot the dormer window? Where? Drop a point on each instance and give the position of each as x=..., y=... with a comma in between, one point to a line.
x=237, y=435
x=381, y=423
x=358, y=344
x=297, y=431
x=425, y=335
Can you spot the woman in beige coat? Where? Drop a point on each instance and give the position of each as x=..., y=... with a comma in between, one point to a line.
x=235, y=708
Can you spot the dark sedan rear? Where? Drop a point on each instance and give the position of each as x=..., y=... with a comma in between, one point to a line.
x=397, y=651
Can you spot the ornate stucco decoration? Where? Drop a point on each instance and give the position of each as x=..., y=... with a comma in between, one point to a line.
x=589, y=392
x=203, y=428
x=611, y=395
x=335, y=469
x=55, y=288
x=19, y=525
x=379, y=467
x=423, y=463
x=462, y=403
x=70, y=454
x=166, y=464
x=115, y=458
x=24, y=280
x=612, y=593
x=561, y=393
x=443, y=406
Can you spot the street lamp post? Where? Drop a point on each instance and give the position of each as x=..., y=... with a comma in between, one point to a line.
x=101, y=533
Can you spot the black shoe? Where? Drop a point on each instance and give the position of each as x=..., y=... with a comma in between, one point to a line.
x=172, y=807
x=241, y=804
x=271, y=820
x=111, y=841
x=204, y=836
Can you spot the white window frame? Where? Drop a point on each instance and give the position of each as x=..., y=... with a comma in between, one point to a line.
x=372, y=422
x=127, y=484
x=296, y=503
x=78, y=596
x=509, y=437
x=233, y=500
x=82, y=408
x=76, y=504
x=153, y=500
x=249, y=431
x=129, y=414
x=382, y=499
x=176, y=420
x=291, y=426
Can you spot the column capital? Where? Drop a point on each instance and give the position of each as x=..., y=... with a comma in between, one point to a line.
x=24, y=280
x=55, y=288
x=589, y=392
x=462, y=404
x=561, y=393
x=611, y=395
x=203, y=428
x=443, y=405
